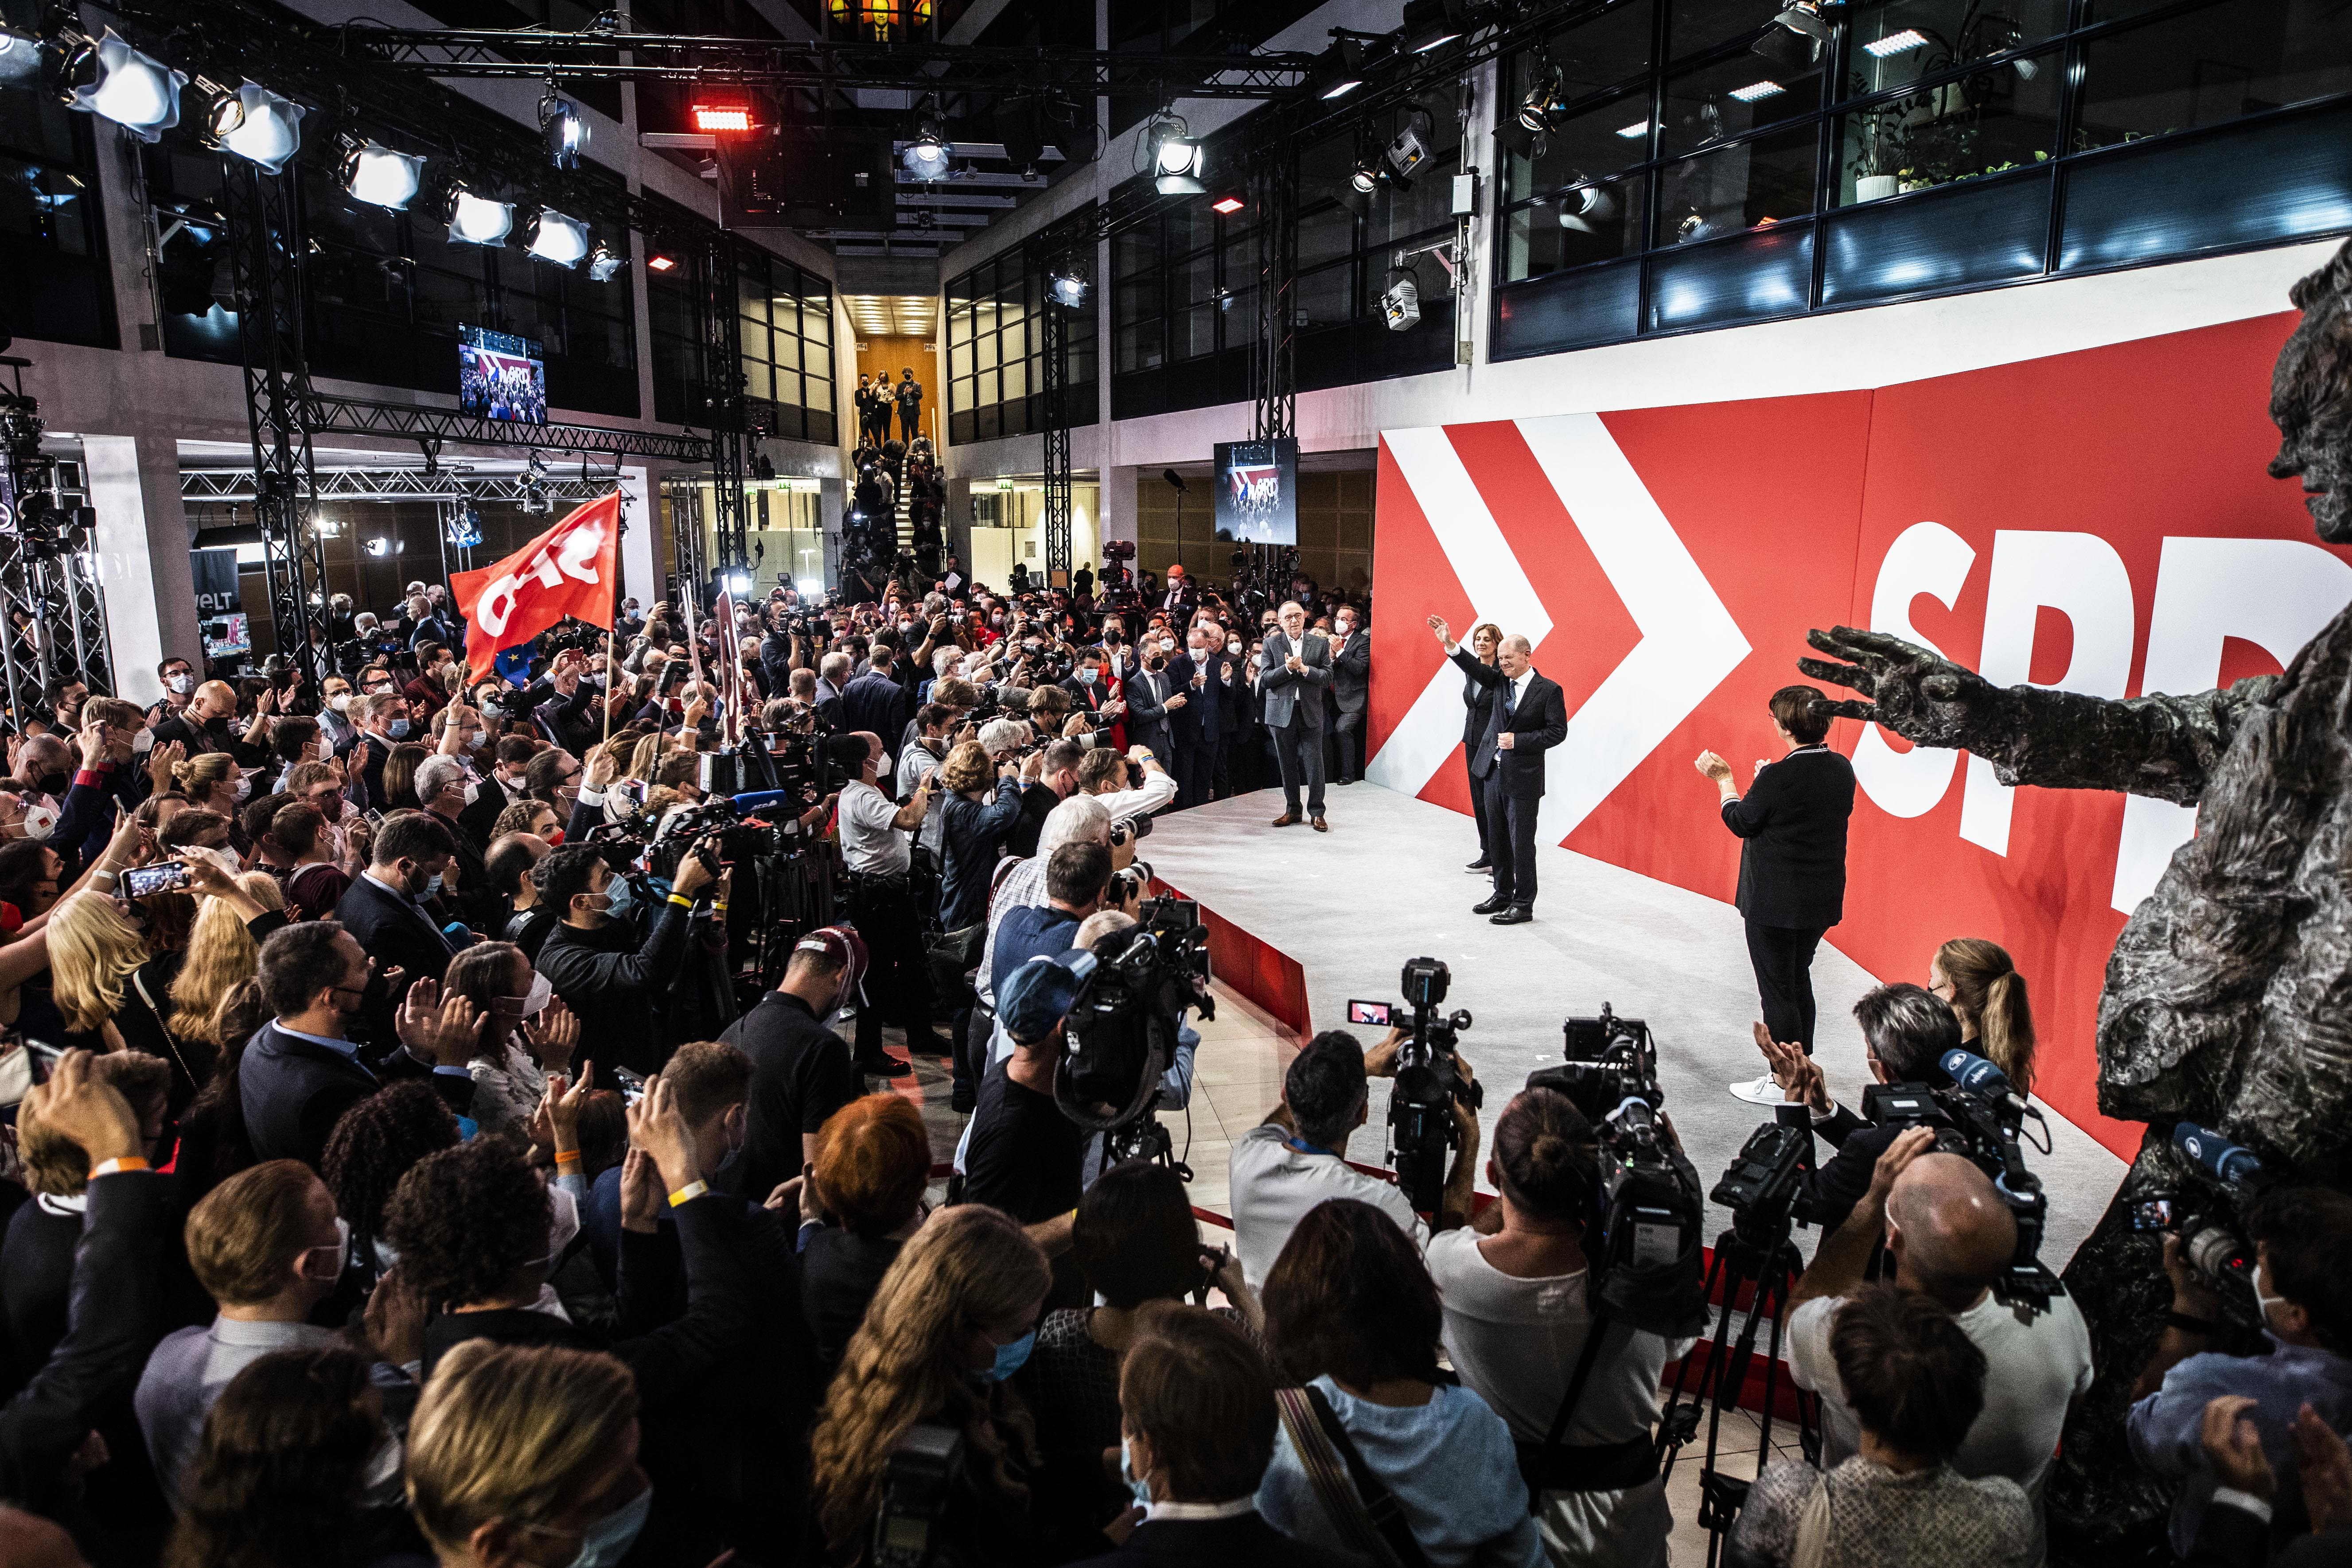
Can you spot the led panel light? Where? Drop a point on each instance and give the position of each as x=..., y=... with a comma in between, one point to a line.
x=721, y=117
x=659, y=263
x=1228, y=205
x=1756, y=89
x=1901, y=43
x=1630, y=132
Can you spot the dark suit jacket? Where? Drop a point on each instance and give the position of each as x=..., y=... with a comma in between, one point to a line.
x=875, y=703
x=2230, y=1537
x=1793, y=817
x=475, y=821
x=395, y=932
x=1351, y=674
x=1246, y=1541
x=1203, y=716
x=1479, y=680
x=294, y=1090
x=1148, y=723
x=1539, y=723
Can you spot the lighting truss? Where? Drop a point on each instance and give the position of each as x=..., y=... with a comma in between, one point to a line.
x=211, y=487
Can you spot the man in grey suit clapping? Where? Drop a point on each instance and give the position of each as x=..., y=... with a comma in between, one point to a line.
x=1292, y=680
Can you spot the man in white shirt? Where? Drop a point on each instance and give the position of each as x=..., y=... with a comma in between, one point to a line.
x=1298, y=1157
x=875, y=844
x=1140, y=788
x=1950, y=1235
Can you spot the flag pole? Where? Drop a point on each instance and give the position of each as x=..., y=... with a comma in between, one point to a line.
x=611, y=649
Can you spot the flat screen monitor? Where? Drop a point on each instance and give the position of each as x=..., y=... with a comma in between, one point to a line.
x=1257, y=491
x=501, y=376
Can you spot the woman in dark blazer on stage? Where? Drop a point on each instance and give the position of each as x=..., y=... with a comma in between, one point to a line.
x=1478, y=690
x=1791, y=823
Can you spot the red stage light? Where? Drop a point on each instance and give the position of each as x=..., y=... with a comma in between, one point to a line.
x=1228, y=205
x=718, y=116
x=659, y=263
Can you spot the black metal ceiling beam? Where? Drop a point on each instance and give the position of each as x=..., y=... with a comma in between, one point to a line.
x=326, y=414
x=776, y=62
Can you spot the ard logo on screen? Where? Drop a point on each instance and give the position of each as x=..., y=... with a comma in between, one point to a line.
x=2272, y=594
x=1257, y=491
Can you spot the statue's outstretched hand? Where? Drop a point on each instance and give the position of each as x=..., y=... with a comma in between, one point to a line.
x=1921, y=696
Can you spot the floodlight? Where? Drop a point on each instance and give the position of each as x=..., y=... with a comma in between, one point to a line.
x=738, y=582
x=604, y=263
x=1176, y=160
x=720, y=119
x=477, y=220
x=1069, y=288
x=928, y=155
x=266, y=129
x=1540, y=108
x=560, y=125
x=20, y=57
x=1401, y=303
x=553, y=236
x=374, y=173
x=136, y=92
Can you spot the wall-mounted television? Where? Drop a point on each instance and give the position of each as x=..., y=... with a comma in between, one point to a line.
x=501, y=376
x=1257, y=491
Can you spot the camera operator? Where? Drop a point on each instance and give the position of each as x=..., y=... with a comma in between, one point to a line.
x=1023, y=1156
x=1948, y=1236
x=2303, y=1288
x=875, y=845
x=1298, y=1157
x=1906, y=1031
x=598, y=965
x=1518, y=1312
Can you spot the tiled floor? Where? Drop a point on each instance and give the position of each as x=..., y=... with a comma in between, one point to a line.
x=1237, y=1077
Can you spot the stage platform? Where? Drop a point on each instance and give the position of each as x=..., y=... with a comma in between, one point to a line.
x=1302, y=921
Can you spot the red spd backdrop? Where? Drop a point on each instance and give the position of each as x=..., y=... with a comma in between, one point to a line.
x=2099, y=521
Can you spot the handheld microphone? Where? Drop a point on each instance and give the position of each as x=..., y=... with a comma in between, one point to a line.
x=1981, y=1077
x=2234, y=1163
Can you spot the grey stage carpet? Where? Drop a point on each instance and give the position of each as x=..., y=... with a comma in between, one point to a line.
x=1387, y=884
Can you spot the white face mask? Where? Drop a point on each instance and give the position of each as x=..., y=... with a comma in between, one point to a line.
x=181, y=684
x=2262, y=1300
x=473, y=790
x=243, y=788
x=39, y=821
x=541, y=992
x=142, y=742
x=340, y=701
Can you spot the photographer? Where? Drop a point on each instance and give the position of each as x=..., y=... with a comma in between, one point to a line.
x=1906, y=1031
x=1948, y=1236
x=606, y=974
x=1131, y=785
x=875, y=845
x=1024, y=1157
x=2303, y=1288
x=1519, y=1312
x=1058, y=776
x=801, y=1070
x=978, y=810
x=1298, y=1157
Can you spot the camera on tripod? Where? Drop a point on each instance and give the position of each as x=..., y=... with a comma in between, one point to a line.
x=1980, y=1117
x=1643, y=1233
x=2207, y=1216
x=1121, y=1031
x=1422, y=1128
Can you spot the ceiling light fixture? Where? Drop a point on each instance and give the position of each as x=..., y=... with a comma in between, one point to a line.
x=562, y=129
x=1901, y=43
x=1756, y=89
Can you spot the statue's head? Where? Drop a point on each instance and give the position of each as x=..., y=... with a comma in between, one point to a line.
x=2311, y=398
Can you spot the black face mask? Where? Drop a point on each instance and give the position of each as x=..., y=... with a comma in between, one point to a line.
x=53, y=783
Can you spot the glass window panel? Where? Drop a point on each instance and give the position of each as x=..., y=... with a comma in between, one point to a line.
x=1239, y=265
x=1601, y=141
x=2213, y=66
x=1597, y=306
x=816, y=319
x=1693, y=25
x=1189, y=227
x=758, y=380
x=983, y=388
x=1138, y=346
x=1769, y=180
x=816, y=392
x=986, y=351
x=1192, y=280
x=1426, y=205
x=2287, y=178
x=1328, y=295
x=960, y=394
x=1323, y=236
x=1015, y=380
x=1135, y=300
x=1605, y=50
x=958, y=359
x=1753, y=278
x=1915, y=38
x=1604, y=220
x=1973, y=237
x=1195, y=332
x=1731, y=98
x=1135, y=252
x=1981, y=124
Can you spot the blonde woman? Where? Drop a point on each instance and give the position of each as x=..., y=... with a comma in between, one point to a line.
x=1984, y=988
x=222, y=955
x=211, y=781
x=952, y=1319
x=95, y=952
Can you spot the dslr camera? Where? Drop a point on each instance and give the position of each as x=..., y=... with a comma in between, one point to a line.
x=1642, y=1229
x=1422, y=1129
x=916, y=1481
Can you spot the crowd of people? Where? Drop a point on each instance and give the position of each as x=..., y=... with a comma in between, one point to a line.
x=397, y=1172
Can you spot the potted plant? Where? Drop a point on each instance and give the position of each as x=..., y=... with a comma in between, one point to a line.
x=1884, y=143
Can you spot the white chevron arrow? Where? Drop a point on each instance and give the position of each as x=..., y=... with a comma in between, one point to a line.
x=1489, y=573
x=1689, y=641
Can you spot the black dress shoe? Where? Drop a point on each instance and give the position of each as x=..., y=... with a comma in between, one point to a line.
x=1516, y=915
x=1343, y=781
x=882, y=1066
x=931, y=1046
x=1491, y=905
x=1480, y=864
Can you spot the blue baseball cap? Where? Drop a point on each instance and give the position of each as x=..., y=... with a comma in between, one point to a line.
x=1040, y=993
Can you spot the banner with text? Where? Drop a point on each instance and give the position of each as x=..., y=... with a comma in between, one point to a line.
x=2097, y=521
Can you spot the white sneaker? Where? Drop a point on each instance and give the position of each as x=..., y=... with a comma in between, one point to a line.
x=1757, y=1091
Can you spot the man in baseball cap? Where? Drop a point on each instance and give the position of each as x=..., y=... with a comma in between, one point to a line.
x=802, y=1069
x=1025, y=1157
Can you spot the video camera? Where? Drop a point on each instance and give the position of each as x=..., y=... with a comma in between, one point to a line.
x=1121, y=1031
x=1421, y=1123
x=2207, y=1216
x=1641, y=1234
x=1980, y=1117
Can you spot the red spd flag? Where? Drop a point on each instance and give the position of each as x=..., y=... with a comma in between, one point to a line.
x=569, y=570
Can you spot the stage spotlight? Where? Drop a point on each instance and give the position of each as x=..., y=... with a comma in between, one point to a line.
x=1794, y=39
x=1339, y=69
x=258, y=125
x=1540, y=110
x=374, y=173
x=928, y=155
x=1069, y=288
x=20, y=57
x=1581, y=207
x=1432, y=23
x=1364, y=176
x=1401, y=303
x=604, y=263
x=560, y=125
x=722, y=119
x=379, y=545
x=1409, y=150
x=738, y=582
x=1176, y=160
x=136, y=92
x=552, y=236
x=477, y=220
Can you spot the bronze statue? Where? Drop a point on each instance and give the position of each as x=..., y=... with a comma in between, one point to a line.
x=2228, y=1001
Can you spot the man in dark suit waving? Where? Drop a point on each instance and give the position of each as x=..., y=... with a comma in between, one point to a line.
x=1528, y=718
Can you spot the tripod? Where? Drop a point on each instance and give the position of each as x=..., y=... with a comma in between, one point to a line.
x=1767, y=1265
